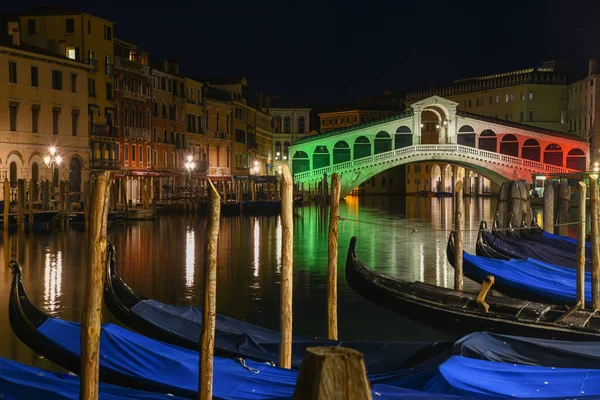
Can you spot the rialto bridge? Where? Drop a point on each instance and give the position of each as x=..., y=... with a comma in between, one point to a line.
x=498, y=150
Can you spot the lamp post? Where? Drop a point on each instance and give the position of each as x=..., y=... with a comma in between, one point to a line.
x=189, y=166
x=52, y=161
x=255, y=168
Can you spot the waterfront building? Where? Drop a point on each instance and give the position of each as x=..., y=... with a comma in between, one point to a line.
x=133, y=121
x=195, y=118
x=86, y=38
x=583, y=109
x=168, y=126
x=217, y=130
x=46, y=103
x=289, y=125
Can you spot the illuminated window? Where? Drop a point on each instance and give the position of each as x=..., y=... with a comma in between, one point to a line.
x=506, y=98
x=563, y=117
x=497, y=99
x=71, y=53
x=522, y=95
x=531, y=96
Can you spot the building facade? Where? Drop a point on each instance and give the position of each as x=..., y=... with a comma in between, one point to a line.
x=289, y=125
x=45, y=106
x=89, y=39
x=168, y=126
x=583, y=109
x=343, y=119
x=195, y=117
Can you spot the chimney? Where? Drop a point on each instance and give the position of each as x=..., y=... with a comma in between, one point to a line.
x=268, y=104
x=592, y=67
x=259, y=100
x=13, y=29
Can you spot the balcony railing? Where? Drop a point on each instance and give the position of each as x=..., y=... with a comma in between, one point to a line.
x=140, y=133
x=134, y=95
x=104, y=164
x=219, y=171
x=132, y=65
x=222, y=136
x=101, y=130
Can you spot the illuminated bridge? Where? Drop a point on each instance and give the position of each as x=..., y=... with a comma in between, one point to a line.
x=497, y=149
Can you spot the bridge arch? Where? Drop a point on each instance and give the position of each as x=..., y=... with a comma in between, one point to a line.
x=466, y=136
x=403, y=137
x=488, y=141
x=321, y=157
x=509, y=145
x=362, y=147
x=576, y=159
x=436, y=178
x=341, y=152
x=553, y=154
x=382, y=142
x=300, y=162
x=531, y=150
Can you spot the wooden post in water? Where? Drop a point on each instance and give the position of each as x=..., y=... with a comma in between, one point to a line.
x=548, y=220
x=595, y=242
x=6, y=206
x=525, y=206
x=67, y=200
x=86, y=203
x=332, y=373
x=21, y=203
x=61, y=207
x=581, y=247
x=515, y=202
x=124, y=196
x=253, y=190
x=43, y=194
x=332, y=260
x=564, y=198
x=459, y=226
x=92, y=305
x=30, y=203
x=503, y=205
x=207, y=338
x=287, y=262
x=325, y=190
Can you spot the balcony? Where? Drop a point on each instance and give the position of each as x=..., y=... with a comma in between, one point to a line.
x=104, y=164
x=222, y=136
x=219, y=171
x=134, y=95
x=139, y=133
x=101, y=130
x=132, y=65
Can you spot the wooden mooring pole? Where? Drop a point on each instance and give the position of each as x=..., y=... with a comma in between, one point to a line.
x=503, y=206
x=564, y=199
x=515, y=202
x=332, y=259
x=332, y=373
x=92, y=305
x=548, y=220
x=30, y=203
x=595, y=242
x=287, y=261
x=6, y=203
x=581, y=247
x=207, y=337
x=21, y=203
x=459, y=226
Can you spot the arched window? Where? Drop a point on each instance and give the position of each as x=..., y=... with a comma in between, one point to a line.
x=218, y=121
x=148, y=122
x=576, y=160
x=277, y=124
x=553, y=154
x=466, y=136
x=531, y=150
x=13, y=173
x=286, y=150
x=383, y=142
x=362, y=147
x=132, y=117
x=286, y=125
x=301, y=124
x=509, y=145
x=140, y=118
x=341, y=152
x=320, y=157
x=164, y=110
x=207, y=119
x=300, y=162
x=126, y=114
x=227, y=128
x=278, y=150
x=116, y=114
x=403, y=137
x=488, y=140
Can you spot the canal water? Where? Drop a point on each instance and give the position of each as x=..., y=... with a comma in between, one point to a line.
x=162, y=259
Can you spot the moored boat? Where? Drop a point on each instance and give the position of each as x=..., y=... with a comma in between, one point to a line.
x=457, y=312
x=261, y=207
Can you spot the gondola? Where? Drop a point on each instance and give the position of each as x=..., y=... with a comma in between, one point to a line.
x=457, y=312
x=230, y=208
x=527, y=278
x=77, y=218
x=42, y=221
x=504, y=247
x=181, y=326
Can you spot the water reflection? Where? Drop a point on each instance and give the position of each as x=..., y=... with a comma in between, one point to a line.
x=190, y=254
x=52, y=279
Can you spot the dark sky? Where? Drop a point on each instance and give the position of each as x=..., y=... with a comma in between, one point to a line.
x=335, y=51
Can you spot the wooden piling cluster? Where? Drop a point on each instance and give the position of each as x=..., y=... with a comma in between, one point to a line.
x=581, y=246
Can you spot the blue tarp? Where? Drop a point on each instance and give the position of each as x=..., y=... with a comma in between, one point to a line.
x=18, y=381
x=262, y=344
x=519, y=248
x=488, y=379
x=528, y=351
x=529, y=275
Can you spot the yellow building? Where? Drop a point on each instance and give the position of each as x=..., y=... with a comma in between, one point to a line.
x=344, y=119
x=217, y=131
x=89, y=39
x=45, y=105
x=195, y=115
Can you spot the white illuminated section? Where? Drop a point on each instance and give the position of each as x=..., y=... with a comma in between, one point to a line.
x=190, y=250
x=438, y=263
x=52, y=279
x=278, y=240
x=256, y=246
x=421, y=263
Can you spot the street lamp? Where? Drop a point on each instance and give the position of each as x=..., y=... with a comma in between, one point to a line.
x=189, y=166
x=52, y=161
x=277, y=155
x=255, y=168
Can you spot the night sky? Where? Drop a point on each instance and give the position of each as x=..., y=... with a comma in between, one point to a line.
x=330, y=52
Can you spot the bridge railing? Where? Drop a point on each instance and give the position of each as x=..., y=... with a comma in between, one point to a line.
x=425, y=148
